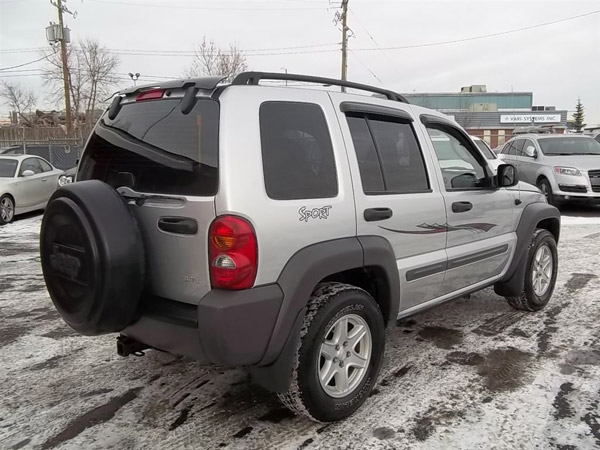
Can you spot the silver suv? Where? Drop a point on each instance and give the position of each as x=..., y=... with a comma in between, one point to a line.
x=564, y=167
x=282, y=229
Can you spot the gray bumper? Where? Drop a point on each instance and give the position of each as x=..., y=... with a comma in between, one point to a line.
x=229, y=328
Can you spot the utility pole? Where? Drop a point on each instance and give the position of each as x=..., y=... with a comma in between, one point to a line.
x=344, y=40
x=63, y=37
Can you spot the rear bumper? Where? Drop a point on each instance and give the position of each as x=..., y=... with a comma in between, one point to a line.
x=229, y=328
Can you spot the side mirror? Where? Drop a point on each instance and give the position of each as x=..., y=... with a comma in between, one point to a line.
x=507, y=175
x=27, y=173
x=531, y=151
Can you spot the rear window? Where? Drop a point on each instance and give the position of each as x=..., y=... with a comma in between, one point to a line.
x=8, y=168
x=152, y=147
x=297, y=153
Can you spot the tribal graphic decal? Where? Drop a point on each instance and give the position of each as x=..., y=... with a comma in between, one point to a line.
x=445, y=228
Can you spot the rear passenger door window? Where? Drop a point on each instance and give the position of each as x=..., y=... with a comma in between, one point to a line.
x=297, y=153
x=389, y=157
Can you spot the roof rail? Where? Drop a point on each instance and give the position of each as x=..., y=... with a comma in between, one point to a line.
x=253, y=78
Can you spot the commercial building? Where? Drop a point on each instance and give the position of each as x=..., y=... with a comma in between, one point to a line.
x=492, y=116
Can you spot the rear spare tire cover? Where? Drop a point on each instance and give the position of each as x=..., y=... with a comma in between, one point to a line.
x=92, y=257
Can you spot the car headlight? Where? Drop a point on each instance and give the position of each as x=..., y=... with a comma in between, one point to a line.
x=567, y=171
x=65, y=179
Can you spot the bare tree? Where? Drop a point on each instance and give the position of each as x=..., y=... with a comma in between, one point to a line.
x=19, y=100
x=91, y=69
x=52, y=75
x=210, y=60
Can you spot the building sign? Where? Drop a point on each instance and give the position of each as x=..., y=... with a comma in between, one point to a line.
x=530, y=118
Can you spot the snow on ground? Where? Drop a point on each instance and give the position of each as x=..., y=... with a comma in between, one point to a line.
x=471, y=374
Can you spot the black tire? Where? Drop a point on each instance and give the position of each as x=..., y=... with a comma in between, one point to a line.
x=92, y=257
x=330, y=302
x=529, y=300
x=6, y=201
x=544, y=186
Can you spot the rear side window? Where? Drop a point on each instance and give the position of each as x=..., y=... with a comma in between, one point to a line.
x=45, y=166
x=389, y=158
x=153, y=147
x=297, y=153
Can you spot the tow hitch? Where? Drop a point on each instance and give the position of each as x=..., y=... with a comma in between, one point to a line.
x=128, y=346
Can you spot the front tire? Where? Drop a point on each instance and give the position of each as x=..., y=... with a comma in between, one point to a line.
x=7, y=209
x=339, y=355
x=546, y=188
x=540, y=273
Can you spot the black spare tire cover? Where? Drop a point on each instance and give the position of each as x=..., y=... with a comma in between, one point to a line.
x=92, y=257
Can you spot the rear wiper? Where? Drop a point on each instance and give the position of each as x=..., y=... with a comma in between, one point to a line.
x=140, y=199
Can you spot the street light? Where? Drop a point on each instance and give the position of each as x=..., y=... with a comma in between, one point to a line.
x=134, y=77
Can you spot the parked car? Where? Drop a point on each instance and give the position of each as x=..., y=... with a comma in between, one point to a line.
x=282, y=229
x=26, y=184
x=564, y=167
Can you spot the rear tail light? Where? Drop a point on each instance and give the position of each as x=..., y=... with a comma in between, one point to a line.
x=232, y=253
x=152, y=94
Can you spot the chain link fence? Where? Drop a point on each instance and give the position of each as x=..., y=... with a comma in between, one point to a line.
x=61, y=153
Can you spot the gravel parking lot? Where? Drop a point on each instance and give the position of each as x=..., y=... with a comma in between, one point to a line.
x=471, y=374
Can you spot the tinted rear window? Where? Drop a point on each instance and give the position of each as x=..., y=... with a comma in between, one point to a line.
x=297, y=153
x=152, y=147
x=7, y=168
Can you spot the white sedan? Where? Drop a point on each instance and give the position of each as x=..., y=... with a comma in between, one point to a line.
x=26, y=184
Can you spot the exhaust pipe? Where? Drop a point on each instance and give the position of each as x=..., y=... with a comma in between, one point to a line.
x=128, y=346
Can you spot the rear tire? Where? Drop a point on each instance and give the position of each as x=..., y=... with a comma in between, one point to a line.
x=7, y=209
x=339, y=355
x=540, y=273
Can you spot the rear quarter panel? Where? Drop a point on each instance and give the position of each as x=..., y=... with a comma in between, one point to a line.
x=282, y=227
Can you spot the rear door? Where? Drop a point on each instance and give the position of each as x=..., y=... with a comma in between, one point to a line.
x=395, y=196
x=165, y=163
x=527, y=164
x=480, y=239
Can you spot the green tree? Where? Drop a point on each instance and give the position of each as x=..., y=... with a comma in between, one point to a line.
x=578, y=116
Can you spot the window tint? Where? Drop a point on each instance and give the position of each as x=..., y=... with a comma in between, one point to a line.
x=153, y=147
x=400, y=155
x=368, y=162
x=30, y=164
x=45, y=166
x=297, y=153
x=7, y=168
x=460, y=167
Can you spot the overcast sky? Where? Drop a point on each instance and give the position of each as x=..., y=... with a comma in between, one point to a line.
x=557, y=62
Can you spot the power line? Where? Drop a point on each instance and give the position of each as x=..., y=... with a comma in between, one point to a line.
x=214, y=8
x=366, y=67
x=394, y=65
x=484, y=36
x=24, y=64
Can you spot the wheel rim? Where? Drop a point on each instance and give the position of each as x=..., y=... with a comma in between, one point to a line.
x=7, y=209
x=344, y=356
x=541, y=273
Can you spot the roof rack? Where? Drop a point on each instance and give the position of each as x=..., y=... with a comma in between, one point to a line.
x=253, y=78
